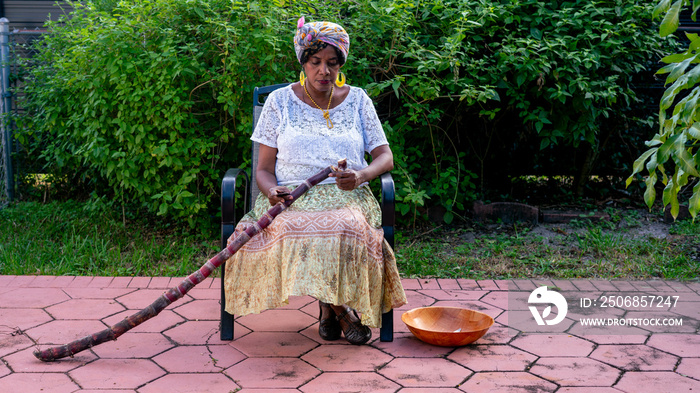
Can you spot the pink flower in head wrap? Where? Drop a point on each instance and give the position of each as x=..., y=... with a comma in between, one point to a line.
x=312, y=37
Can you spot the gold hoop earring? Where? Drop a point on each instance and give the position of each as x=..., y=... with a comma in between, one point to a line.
x=302, y=77
x=340, y=79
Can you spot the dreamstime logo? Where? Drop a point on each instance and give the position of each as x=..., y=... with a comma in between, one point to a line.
x=542, y=296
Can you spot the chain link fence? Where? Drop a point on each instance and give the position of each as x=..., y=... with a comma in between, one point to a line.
x=17, y=51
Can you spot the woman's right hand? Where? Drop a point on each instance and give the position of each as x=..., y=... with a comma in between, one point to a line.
x=278, y=194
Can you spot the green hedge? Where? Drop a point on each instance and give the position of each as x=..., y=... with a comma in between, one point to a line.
x=152, y=97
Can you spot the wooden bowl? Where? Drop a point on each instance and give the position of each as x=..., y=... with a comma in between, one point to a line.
x=447, y=326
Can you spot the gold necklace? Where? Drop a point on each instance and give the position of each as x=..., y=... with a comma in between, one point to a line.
x=326, y=113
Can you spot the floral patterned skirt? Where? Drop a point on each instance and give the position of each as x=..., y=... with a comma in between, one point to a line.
x=328, y=244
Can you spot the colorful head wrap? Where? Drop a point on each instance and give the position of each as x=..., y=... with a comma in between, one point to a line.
x=313, y=36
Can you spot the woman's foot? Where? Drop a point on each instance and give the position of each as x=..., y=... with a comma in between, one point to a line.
x=355, y=332
x=328, y=326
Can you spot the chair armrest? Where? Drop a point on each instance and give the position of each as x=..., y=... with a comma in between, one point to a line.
x=387, y=204
x=228, y=201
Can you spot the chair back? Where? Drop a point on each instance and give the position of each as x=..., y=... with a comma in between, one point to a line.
x=259, y=94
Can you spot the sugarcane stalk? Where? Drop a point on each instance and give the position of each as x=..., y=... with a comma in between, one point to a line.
x=175, y=293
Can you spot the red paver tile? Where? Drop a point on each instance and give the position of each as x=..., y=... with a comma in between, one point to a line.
x=587, y=389
x=564, y=285
x=688, y=309
x=410, y=284
x=4, y=370
x=43, y=281
x=575, y=371
x=22, y=281
x=524, y=321
x=616, y=339
x=415, y=300
x=635, y=357
x=584, y=285
x=553, y=345
x=160, y=283
x=271, y=373
x=505, y=285
x=143, y=298
x=100, y=282
x=604, y=285
x=678, y=286
x=683, y=345
x=80, y=282
x=198, y=359
x=61, y=282
x=406, y=345
x=175, y=281
x=277, y=321
x=116, y=373
x=680, y=324
x=689, y=367
x=428, y=372
x=659, y=285
x=428, y=390
x=441, y=294
x=642, y=285
x=498, y=334
x=108, y=391
x=351, y=358
x=468, y=285
x=215, y=283
x=268, y=391
x=626, y=332
x=97, y=293
x=278, y=344
x=497, y=299
x=62, y=332
x=5, y=280
x=191, y=383
x=448, y=283
x=134, y=345
x=37, y=382
x=205, y=293
x=165, y=320
x=11, y=341
x=200, y=310
x=25, y=362
x=506, y=382
x=200, y=332
x=487, y=309
x=428, y=283
x=139, y=282
x=350, y=382
x=524, y=285
x=492, y=358
x=655, y=382
x=13, y=319
x=624, y=286
x=120, y=282
x=488, y=285
x=85, y=309
x=32, y=297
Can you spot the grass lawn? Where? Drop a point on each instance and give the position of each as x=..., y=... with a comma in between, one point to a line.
x=68, y=238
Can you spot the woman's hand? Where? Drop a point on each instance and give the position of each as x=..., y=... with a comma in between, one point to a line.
x=278, y=194
x=348, y=180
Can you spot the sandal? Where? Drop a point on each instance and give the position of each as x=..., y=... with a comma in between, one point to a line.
x=355, y=332
x=329, y=328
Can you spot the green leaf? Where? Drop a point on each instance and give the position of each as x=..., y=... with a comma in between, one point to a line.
x=661, y=7
x=639, y=163
x=694, y=201
x=650, y=192
x=671, y=20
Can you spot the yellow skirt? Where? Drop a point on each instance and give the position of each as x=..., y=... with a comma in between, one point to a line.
x=328, y=244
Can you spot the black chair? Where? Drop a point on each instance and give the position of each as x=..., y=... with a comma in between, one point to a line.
x=250, y=193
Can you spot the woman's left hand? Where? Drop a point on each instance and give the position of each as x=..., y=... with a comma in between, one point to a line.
x=348, y=180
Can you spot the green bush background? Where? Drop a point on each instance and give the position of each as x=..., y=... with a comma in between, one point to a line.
x=146, y=102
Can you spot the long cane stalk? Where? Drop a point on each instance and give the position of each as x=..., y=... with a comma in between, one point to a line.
x=173, y=294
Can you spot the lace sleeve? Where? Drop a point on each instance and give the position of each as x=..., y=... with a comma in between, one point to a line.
x=269, y=123
x=372, y=130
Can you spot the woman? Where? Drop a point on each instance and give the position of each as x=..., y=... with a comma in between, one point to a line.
x=329, y=243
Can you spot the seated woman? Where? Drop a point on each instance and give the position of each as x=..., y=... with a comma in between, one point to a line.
x=328, y=244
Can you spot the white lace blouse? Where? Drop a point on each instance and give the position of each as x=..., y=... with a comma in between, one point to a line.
x=305, y=144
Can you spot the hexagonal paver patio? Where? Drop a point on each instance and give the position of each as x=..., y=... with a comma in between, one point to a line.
x=279, y=351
